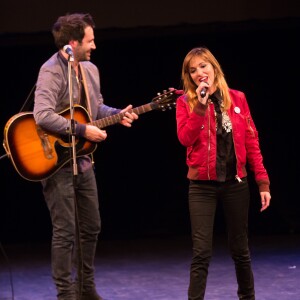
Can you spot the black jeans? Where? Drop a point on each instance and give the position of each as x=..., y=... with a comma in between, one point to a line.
x=203, y=199
x=60, y=195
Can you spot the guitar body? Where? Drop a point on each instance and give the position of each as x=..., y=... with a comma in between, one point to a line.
x=37, y=154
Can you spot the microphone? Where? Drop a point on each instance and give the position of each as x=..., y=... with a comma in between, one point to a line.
x=203, y=92
x=68, y=50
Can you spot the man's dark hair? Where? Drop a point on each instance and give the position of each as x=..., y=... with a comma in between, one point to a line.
x=71, y=27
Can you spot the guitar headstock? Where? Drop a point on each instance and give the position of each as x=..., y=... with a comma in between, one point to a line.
x=167, y=99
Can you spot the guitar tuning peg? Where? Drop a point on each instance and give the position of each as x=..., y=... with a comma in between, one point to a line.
x=158, y=94
x=164, y=91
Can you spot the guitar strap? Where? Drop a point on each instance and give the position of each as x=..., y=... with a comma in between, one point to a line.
x=86, y=91
x=27, y=106
x=87, y=100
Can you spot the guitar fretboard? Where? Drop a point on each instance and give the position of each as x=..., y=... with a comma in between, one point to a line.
x=111, y=120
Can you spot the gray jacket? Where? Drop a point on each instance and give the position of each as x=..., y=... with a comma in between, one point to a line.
x=52, y=97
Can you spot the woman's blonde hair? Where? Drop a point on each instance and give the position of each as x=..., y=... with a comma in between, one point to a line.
x=189, y=85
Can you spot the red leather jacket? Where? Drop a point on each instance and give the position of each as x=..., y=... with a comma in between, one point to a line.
x=196, y=130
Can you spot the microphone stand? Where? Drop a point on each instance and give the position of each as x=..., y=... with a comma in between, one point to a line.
x=75, y=173
x=72, y=129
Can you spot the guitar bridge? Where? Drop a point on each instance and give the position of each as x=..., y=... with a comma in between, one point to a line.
x=46, y=145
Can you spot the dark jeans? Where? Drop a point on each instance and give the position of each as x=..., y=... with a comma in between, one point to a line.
x=203, y=199
x=60, y=196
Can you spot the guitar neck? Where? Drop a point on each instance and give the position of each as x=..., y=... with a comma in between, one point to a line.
x=114, y=119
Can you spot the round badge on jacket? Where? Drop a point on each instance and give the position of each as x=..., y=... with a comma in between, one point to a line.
x=237, y=110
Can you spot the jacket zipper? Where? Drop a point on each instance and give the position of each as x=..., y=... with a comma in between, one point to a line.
x=250, y=127
x=237, y=177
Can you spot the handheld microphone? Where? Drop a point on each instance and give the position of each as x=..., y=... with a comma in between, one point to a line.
x=68, y=50
x=203, y=92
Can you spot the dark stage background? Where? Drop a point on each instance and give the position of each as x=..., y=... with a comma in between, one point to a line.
x=141, y=171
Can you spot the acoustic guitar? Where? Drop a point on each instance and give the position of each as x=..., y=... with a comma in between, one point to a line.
x=37, y=154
